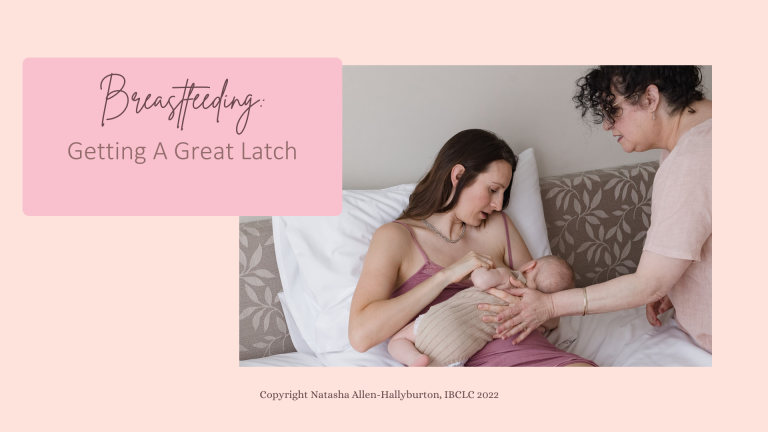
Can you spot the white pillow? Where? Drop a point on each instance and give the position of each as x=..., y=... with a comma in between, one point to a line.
x=294, y=286
x=321, y=261
x=329, y=252
x=525, y=207
x=298, y=341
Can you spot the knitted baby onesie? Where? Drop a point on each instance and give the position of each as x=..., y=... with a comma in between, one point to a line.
x=452, y=331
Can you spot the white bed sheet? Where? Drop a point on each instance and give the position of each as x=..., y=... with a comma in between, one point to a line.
x=625, y=338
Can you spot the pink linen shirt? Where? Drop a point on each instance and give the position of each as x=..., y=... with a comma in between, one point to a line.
x=681, y=227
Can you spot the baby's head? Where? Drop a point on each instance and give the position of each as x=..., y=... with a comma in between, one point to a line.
x=549, y=274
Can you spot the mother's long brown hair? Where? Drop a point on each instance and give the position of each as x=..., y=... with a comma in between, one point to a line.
x=475, y=150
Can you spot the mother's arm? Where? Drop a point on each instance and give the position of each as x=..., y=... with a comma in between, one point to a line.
x=374, y=316
x=655, y=276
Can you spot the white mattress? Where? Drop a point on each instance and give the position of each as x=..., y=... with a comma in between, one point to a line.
x=625, y=338
x=621, y=338
x=283, y=360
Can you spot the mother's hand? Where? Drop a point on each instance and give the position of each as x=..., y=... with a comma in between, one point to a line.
x=464, y=267
x=534, y=309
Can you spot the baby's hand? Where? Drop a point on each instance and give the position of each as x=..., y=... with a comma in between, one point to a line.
x=505, y=285
x=498, y=278
x=484, y=278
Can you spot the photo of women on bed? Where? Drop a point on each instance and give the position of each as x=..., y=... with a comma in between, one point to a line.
x=527, y=236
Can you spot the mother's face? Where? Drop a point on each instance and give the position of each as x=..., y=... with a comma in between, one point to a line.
x=485, y=195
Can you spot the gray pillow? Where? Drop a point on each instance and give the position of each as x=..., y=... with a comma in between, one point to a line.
x=263, y=331
x=597, y=220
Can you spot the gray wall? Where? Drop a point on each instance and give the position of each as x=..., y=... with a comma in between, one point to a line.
x=396, y=118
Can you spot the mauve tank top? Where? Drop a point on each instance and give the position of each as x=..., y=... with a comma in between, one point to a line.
x=535, y=350
x=429, y=269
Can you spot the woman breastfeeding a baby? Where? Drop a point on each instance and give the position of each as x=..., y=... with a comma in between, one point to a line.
x=451, y=237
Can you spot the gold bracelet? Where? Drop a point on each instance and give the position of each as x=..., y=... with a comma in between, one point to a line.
x=585, y=301
x=587, y=298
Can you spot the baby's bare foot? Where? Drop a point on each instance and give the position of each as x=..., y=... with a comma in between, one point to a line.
x=420, y=361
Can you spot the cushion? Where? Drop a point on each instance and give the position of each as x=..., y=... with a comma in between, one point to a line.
x=598, y=219
x=263, y=330
x=298, y=341
x=296, y=301
x=321, y=258
x=525, y=207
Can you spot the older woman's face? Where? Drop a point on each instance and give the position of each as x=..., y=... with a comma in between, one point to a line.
x=633, y=126
x=485, y=195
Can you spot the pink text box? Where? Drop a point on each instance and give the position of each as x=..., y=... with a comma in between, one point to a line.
x=273, y=138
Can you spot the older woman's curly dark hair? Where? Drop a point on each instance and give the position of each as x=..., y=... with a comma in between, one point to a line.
x=680, y=86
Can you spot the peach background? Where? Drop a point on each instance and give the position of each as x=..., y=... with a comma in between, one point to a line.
x=128, y=323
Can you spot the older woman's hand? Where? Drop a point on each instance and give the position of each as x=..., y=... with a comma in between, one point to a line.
x=653, y=310
x=534, y=309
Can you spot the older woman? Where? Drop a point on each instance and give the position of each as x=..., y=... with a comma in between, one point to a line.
x=646, y=107
x=453, y=225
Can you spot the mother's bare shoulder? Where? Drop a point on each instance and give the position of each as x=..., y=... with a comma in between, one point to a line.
x=498, y=234
x=497, y=219
x=391, y=239
x=392, y=232
x=494, y=227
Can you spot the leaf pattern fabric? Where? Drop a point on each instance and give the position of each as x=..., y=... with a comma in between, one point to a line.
x=263, y=331
x=597, y=220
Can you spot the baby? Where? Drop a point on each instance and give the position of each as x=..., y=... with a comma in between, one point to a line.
x=452, y=331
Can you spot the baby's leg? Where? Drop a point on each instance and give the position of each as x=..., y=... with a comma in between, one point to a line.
x=484, y=278
x=402, y=349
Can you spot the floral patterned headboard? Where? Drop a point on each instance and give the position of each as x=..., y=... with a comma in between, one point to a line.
x=263, y=329
x=596, y=220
